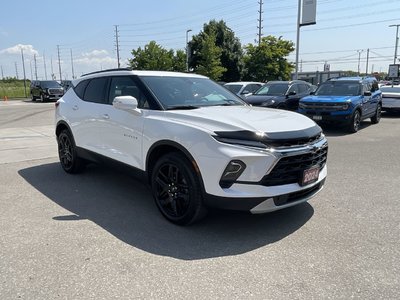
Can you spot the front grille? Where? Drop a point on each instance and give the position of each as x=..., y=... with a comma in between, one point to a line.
x=290, y=169
x=322, y=106
x=55, y=91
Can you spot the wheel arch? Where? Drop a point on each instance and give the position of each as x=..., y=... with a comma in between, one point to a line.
x=61, y=125
x=167, y=146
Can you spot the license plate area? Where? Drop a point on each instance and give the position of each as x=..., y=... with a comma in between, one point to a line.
x=317, y=118
x=309, y=176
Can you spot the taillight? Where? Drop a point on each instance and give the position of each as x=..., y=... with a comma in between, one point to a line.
x=57, y=104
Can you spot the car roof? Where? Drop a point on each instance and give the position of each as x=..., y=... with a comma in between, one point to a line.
x=126, y=72
x=243, y=82
x=358, y=79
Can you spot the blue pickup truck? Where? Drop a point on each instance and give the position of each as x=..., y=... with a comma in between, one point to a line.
x=346, y=100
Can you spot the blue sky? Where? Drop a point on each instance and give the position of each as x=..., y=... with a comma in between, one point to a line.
x=86, y=28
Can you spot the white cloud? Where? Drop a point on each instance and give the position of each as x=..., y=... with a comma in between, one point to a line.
x=28, y=50
x=97, y=63
x=95, y=53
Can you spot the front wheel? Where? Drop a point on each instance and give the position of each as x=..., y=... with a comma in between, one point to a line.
x=355, y=122
x=42, y=98
x=33, y=98
x=377, y=117
x=176, y=189
x=70, y=161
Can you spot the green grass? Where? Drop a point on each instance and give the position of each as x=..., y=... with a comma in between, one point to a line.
x=13, y=88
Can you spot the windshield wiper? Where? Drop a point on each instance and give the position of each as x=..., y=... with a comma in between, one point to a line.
x=182, y=107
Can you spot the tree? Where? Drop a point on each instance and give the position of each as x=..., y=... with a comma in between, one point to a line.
x=268, y=60
x=231, y=49
x=155, y=57
x=209, y=63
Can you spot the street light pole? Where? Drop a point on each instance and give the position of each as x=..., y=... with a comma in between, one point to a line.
x=187, y=49
x=397, y=41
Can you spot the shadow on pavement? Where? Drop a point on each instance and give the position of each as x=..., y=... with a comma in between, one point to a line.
x=125, y=208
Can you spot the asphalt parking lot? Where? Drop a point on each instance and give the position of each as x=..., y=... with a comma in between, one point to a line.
x=98, y=235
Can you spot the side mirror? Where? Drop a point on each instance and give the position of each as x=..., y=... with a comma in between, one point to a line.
x=312, y=93
x=292, y=93
x=367, y=93
x=127, y=103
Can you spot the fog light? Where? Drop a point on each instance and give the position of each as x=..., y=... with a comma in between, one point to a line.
x=231, y=173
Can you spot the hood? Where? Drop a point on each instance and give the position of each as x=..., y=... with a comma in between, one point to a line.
x=259, y=99
x=240, y=118
x=329, y=98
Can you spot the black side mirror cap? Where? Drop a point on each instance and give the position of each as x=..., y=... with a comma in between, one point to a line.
x=368, y=93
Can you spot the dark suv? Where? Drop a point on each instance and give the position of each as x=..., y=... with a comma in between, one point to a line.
x=280, y=94
x=346, y=100
x=46, y=90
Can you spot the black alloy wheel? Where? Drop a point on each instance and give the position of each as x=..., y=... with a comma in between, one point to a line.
x=355, y=122
x=42, y=98
x=377, y=117
x=176, y=189
x=69, y=160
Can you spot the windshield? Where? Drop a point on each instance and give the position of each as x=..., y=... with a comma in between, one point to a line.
x=339, y=88
x=50, y=84
x=189, y=92
x=234, y=88
x=389, y=89
x=273, y=89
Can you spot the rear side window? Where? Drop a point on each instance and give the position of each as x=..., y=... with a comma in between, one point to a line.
x=95, y=91
x=80, y=88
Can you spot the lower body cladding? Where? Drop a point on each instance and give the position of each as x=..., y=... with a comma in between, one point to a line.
x=271, y=180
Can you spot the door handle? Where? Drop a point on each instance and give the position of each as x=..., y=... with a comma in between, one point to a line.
x=106, y=116
x=75, y=107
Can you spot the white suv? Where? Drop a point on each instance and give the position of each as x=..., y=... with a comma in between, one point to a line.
x=196, y=143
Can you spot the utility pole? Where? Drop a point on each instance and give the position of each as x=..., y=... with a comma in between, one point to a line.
x=366, y=67
x=397, y=41
x=30, y=64
x=52, y=71
x=23, y=68
x=359, y=56
x=2, y=73
x=187, y=49
x=16, y=70
x=260, y=22
x=35, y=65
x=296, y=72
x=59, y=61
x=44, y=63
x=72, y=65
x=117, y=44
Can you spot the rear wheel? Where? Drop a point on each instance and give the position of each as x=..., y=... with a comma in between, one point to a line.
x=42, y=98
x=33, y=98
x=176, y=189
x=377, y=117
x=355, y=122
x=69, y=159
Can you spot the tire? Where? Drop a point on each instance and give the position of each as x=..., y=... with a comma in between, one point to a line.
x=377, y=117
x=42, y=98
x=69, y=159
x=176, y=189
x=355, y=122
x=33, y=98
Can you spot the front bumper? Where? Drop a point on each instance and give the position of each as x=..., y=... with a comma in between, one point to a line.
x=324, y=116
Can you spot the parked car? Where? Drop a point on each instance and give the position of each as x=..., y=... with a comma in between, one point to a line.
x=280, y=94
x=243, y=88
x=46, y=90
x=345, y=100
x=390, y=97
x=195, y=142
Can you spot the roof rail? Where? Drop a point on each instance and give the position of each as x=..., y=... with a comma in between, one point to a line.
x=108, y=70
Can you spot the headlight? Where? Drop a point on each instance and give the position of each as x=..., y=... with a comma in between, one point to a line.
x=241, y=138
x=345, y=106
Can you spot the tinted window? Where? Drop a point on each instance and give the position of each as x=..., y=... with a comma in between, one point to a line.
x=95, y=90
x=125, y=86
x=294, y=88
x=234, y=88
x=50, y=84
x=189, y=92
x=253, y=87
x=80, y=88
x=339, y=88
x=278, y=89
x=303, y=88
